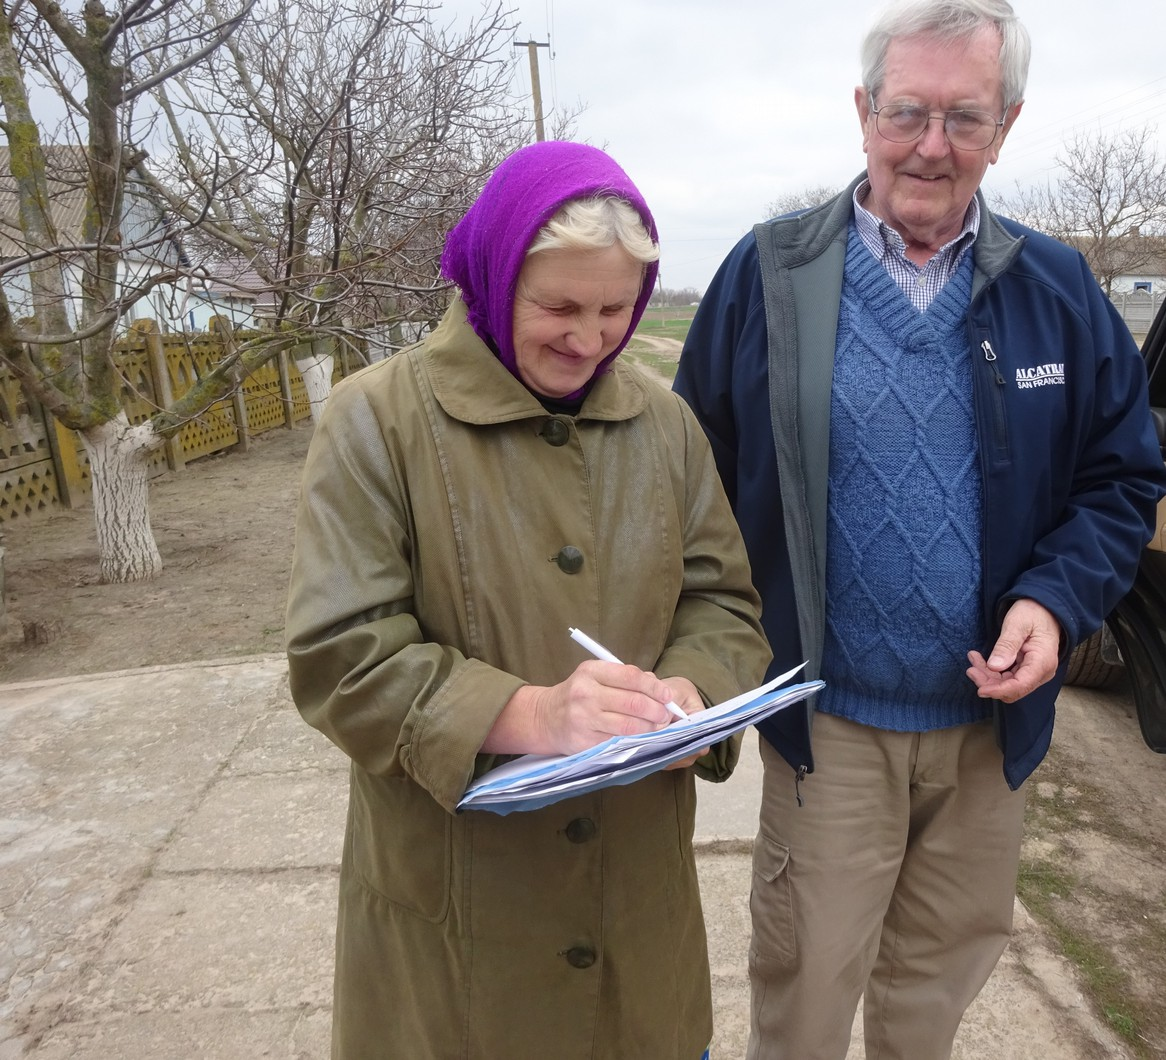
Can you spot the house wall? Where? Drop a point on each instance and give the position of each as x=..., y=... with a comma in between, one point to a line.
x=18, y=293
x=158, y=305
x=1128, y=283
x=201, y=306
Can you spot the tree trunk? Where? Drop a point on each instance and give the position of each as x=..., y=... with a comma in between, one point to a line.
x=317, y=373
x=118, y=462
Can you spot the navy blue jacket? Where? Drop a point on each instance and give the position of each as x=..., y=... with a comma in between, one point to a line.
x=1070, y=463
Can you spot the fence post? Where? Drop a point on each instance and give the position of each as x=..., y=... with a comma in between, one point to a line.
x=66, y=467
x=223, y=330
x=163, y=390
x=285, y=390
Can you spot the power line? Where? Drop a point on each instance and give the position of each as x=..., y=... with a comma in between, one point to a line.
x=1108, y=114
x=550, y=19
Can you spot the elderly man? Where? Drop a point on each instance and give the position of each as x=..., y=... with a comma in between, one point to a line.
x=933, y=429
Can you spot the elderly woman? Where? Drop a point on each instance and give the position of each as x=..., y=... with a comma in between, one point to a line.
x=464, y=503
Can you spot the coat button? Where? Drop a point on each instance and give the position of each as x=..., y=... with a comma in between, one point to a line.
x=569, y=559
x=555, y=432
x=580, y=956
x=581, y=830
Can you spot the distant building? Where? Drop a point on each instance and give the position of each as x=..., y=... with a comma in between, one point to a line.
x=147, y=247
x=1135, y=265
x=1148, y=276
x=1135, y=262
x=231, y=289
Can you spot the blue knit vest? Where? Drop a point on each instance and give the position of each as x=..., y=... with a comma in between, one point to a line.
x=903, y=581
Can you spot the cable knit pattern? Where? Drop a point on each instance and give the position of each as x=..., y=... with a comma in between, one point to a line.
x=903, y=535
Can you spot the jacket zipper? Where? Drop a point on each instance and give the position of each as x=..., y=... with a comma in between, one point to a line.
x=999, y=434
x=1000, y=440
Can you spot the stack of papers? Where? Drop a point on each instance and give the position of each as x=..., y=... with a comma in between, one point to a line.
x=531, y=781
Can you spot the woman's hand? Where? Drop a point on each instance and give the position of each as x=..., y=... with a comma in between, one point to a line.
x=599, y=700
x=689, y=700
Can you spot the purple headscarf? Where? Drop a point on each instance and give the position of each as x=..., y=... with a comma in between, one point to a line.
x=485, y=251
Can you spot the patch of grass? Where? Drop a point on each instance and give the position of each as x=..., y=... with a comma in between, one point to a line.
x=670, y=312
x=658, y=362
x=1056, y=888
x=671, y=329
x=669, y=322
x=1062, y=801
x=1040, y=883
x=1044, y=886
x=1052, y=807
x=1124, y=1026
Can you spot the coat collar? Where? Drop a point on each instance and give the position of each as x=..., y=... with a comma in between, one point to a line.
x=804, y=236
x=472, y=385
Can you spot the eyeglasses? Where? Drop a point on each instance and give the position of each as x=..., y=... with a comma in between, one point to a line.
x=967, y=130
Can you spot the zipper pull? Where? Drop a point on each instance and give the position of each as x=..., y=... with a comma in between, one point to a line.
x=799, y=776
x=990, y=357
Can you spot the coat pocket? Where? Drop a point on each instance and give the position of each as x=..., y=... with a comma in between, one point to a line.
x=771, y=905
x=401, y=844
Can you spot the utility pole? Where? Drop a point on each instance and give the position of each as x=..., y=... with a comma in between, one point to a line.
x=532, y=47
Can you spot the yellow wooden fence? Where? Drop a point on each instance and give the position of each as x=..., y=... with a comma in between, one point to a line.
x=43, y=464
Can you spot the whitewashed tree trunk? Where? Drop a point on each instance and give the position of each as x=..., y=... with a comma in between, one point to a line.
x=119, y=464
x=317, y=373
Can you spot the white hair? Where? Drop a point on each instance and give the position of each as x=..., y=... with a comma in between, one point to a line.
x=949, y=20
x=596, y=224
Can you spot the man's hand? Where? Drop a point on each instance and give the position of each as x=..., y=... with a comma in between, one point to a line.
x=1024, y=657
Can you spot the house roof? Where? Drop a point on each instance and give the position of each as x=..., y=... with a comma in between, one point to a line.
x=234, y=277
x=66, y=178
x=66, y=172
x=1133, y=253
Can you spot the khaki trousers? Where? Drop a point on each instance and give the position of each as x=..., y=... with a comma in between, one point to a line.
x=895, y=880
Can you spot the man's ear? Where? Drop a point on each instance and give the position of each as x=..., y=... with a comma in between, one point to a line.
x=862, y=105
x=1009, y=118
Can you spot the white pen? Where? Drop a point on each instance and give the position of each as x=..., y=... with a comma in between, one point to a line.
x=600, y=652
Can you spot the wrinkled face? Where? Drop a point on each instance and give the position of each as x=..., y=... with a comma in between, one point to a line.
x=922, y=189
x=572, y=309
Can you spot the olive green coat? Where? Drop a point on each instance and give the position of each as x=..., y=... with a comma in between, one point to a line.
x=435, y=572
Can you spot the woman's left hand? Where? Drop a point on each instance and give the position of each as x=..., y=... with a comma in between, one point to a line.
x=689, y=700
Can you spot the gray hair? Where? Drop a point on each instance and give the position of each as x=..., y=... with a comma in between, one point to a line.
x=596, y=224
x=947, y=21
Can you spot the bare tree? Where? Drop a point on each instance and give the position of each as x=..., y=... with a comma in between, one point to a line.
x=793, y=202
x=326, y=145
x=333, y=145
x=1109, y=202
x=62, y=354
x=675, y=296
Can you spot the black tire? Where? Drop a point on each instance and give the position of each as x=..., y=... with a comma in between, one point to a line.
x=1088, y=667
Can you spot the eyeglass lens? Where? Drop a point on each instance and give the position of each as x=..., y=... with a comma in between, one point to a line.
x=969, y=129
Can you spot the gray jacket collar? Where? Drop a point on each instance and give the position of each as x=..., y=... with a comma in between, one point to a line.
x=804, y=236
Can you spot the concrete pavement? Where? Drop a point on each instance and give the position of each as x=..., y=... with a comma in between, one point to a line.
x=169, y=841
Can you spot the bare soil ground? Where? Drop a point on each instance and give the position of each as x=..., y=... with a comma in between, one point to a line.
x=1095, y=856
x=1093, y=869
x=224, y=527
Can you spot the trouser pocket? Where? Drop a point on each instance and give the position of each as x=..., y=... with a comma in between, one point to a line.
x=771, y=905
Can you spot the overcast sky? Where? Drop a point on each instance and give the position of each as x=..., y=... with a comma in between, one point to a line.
x=716, y=109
